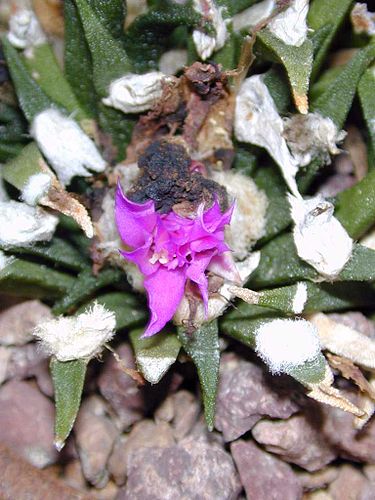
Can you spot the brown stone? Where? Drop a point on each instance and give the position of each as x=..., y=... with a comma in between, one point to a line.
x=246, y=394
x=144, y=434
x=350, y=484
x=264, y=476
x=295, y=440
x=18, y=321
x=26, y=422
x=19, y=480
x=191, y=469
x=120, y=390
x=95, y=436
x=351, y=443
x=318, y=479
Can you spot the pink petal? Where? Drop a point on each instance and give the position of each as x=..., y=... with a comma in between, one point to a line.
x=196, y=272
x=134, y=220
x=141, y=256
x=223, y=265
x=165, y=290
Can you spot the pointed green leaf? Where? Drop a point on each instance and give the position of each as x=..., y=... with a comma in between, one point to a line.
x=366, y=93
x=155, y=355
x=277, y=84
x=111, y=15
x=77, y=55
x=57, y=251
x=203, y=348
x=328, y=297
x=311, y=372
x=325, y=18
x=297, y=62
x=128, y=311
x=28, y=279
x=44, y=68
x=280, y=265
x=269, y=179
x=355, y=207
x=18, y=170
x=118, y=126
x=110, y=60
x=336, y=100
x=85, y=286
x=243, y=324
x=148, y=36
x=9, y=151
x=68, y=379
x=361, y=265
x=287, y=299
x=31, y=97
x=321, y=297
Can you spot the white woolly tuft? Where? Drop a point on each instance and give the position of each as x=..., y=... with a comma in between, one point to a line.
x=136, y=93
x=253, y=15
x=300, y=298
x=248, y=222
x=36, y=187
x=312, y=135
x=172, y=61
x=319, y=237
x=207, y=44
x=285, y=343
x=257, y=121
x=77, y=337
x=290, y=25
x=24, y=225
x=25, y=30
x=65, y=145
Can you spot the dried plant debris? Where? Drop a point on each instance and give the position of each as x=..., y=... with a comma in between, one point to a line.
x=193, y=177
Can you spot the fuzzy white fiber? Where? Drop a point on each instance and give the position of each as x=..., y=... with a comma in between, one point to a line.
x=290, y=25
x=300, y=298
x=286, y=343
x=21, y=224
x=36, y=187
x=205, y=44
x=253, y=15
x=77, y=337
x=136, y=93
x=319, y=237
x=312, y=135
x=25, y=30
x=65, y=145
x=248, y=222
x=257, y=121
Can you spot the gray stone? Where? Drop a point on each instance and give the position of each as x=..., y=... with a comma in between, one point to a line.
x=144, y=434
x=95, y=436
x=26, y=422
x=295, y=440
x=264, y=476
x=120, y=390
x=18, y=321
x=245, y=395
x=189, y=470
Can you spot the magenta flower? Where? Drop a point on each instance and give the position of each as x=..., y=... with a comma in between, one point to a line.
x=170, y=249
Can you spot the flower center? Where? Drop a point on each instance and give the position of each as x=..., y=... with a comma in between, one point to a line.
x=161, y=256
